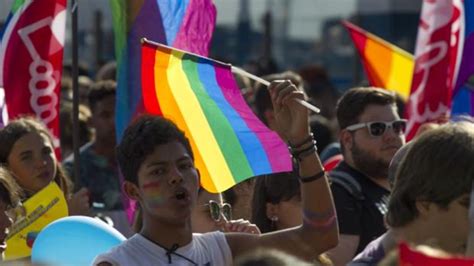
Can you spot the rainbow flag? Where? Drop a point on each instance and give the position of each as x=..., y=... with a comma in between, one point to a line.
x=201, y=96
x=386, y=65
x=185, y=24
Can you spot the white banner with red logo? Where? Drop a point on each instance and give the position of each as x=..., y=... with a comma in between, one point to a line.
x=437, y=58
x=31, y=55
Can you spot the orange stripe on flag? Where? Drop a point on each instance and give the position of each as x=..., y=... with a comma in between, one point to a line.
x=380, y=58
x=386, y=65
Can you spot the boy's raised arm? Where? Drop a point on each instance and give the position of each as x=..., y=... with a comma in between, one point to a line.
x=318, y=231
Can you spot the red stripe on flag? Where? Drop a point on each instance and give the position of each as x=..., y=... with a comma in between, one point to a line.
x=148, y=80
x=359, y=37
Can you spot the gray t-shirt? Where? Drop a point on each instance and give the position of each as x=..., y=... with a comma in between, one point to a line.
x=205, y=249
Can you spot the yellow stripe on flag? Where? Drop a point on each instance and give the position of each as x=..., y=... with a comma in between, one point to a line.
x=401, y=75
x=171, y=110
x=197, y=124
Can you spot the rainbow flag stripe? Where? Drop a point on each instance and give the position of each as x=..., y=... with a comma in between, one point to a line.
x=386, y=65
x=201, y=96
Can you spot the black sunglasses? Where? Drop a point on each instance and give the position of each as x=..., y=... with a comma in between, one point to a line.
x=378, y=128
x=215, y=210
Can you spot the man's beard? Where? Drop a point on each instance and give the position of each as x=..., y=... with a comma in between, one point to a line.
x=368, y=164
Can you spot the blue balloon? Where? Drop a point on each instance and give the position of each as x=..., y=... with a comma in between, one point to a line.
x=74, y=240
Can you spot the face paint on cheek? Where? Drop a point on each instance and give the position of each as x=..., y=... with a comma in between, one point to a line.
x=153, y=194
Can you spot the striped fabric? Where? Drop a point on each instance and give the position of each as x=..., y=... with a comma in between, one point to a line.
x=385, y=65
x=201, y=96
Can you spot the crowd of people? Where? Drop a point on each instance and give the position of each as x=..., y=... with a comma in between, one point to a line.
x=357, y=191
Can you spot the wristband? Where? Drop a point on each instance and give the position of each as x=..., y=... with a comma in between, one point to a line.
x=298, y=153
x=313, y=177
x=304, y=153
x=299, y=145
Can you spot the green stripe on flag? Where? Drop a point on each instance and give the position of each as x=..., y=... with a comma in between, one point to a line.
x=222, y=129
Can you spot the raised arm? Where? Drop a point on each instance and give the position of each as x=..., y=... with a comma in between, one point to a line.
x=319, y=231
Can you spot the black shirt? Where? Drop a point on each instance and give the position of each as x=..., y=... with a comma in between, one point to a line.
x=364, y=216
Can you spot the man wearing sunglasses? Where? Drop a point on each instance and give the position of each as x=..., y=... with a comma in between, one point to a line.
x=371, y=133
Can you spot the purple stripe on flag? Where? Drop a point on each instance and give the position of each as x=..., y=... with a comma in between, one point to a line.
x=472, y=103
x=275, y=148
x=467, y=61
x=129, y=101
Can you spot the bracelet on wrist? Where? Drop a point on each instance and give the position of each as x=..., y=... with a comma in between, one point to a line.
x=313, y=177
x=301, y=144
x=305, y=153
x=296, y=152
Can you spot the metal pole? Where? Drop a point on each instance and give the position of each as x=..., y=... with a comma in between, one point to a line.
x=75, y=93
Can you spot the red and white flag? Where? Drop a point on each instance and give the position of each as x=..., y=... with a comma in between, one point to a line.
x=437, y=59
x=31, y=55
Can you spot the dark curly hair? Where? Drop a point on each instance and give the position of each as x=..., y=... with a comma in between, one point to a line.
x=140, y=140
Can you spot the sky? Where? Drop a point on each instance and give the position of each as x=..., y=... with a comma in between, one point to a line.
x=305, y=16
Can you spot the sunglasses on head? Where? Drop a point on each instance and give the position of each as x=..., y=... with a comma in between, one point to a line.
x=378, y=128
x=215, y=210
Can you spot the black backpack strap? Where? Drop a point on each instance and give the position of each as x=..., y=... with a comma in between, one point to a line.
x=348, y=182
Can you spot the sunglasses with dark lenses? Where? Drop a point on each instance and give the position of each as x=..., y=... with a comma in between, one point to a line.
x=215, y=209
x=378, y=128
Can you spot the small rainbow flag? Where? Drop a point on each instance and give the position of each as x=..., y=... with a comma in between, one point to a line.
x=386, y=65
x=201, y=96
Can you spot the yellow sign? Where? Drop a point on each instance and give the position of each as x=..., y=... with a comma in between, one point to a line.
x=40, y=210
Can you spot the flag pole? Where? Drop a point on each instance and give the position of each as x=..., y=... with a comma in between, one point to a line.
x=75, y=95
x=235, y=70
x=242, y=72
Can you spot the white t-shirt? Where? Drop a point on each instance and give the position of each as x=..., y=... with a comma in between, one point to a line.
x=205, y=249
